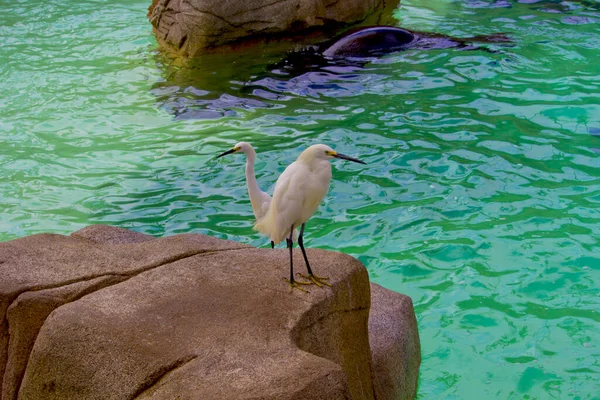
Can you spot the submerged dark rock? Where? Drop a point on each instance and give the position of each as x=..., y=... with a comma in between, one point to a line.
x=369, y=41
x=360, y=45
x=217, y=86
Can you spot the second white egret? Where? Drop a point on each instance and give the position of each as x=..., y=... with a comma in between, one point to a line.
x=259, y=199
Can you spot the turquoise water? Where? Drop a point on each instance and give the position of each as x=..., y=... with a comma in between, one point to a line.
x=480, y=201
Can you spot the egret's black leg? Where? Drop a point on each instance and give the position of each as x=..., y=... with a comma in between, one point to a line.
x=272, y=244
x=301, y=244
x=293, y=283
x=317, y=280
x=289, y=245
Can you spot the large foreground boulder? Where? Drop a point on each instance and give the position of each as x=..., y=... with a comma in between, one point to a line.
x=112, y=314
x=190, y=27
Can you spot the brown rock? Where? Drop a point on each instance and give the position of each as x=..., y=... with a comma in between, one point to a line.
x=26, y=316
x=395, y=344
x=111, y=235
x=35, y=263
x=190, y=27
x=191, y=316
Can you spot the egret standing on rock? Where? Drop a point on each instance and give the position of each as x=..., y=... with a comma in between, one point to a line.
x=259, y=199
x=297, y=195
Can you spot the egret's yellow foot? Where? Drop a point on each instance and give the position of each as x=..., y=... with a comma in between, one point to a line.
x=296, y=284
x=317, y=280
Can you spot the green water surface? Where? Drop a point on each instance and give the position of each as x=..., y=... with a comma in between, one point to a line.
x=480, y=199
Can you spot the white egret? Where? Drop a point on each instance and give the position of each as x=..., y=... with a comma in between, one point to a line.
x=297, y=195
x=259, y=199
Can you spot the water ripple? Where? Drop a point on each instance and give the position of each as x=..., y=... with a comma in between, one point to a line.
x=480, y=199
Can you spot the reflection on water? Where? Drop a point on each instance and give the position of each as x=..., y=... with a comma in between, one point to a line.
x=481, y=199
x=204, y=90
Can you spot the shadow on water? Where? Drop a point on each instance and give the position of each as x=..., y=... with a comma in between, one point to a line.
x=267, y=75
x=210, y=87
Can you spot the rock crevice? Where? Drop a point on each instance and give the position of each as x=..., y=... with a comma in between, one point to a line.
x=155, y=378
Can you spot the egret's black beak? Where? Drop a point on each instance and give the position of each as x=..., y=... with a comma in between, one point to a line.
x=345, y=157
x=227, y=152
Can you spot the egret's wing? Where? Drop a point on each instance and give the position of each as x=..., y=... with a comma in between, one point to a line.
x=289, y=197
x=300, y=194
x=285, y=205
x=314, y=191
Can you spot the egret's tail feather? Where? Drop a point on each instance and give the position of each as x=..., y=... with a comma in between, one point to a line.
x=259, y=226
x=265, y=226
x=269, y=227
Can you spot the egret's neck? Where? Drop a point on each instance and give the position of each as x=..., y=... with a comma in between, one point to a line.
x=253, y=189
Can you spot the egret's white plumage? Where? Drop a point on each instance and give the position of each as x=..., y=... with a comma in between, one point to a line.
x=297, y=195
